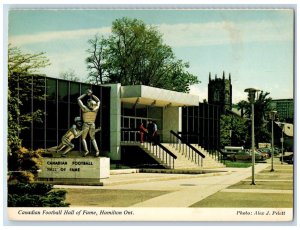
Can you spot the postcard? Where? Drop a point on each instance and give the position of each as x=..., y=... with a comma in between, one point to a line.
x=150, y=114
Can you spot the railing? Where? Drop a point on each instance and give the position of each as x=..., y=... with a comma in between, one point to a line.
x=130, y=135
x=158, y=150
x=210, y=144
x=186, y=148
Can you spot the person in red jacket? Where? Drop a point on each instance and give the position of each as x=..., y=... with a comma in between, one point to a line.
x=142, y=131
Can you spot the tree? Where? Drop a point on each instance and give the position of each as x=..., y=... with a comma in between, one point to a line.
x=262, y=108
x=23, y=164
x=135, y=54
x=96, y=61
x=21, y=65
x=233, y=130
x=69, y=75
x=242, y=105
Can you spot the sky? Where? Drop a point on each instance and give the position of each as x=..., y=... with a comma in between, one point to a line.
x=255, y=46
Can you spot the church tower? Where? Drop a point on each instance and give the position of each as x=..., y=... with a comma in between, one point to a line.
x=220, y=92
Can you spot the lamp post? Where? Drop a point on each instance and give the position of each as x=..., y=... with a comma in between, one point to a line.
x=281, y=140
x=251, y=96
x=272, y=117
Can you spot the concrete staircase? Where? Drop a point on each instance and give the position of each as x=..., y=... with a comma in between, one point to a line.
x=149, y=150
x=209, y=161
x=183, y=161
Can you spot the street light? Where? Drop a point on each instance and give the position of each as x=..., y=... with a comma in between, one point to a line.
x=251, y=97
x=281, y=140
x=272, y=117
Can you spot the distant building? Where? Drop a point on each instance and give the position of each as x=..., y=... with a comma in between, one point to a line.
x=285, y=109
x=220, y=92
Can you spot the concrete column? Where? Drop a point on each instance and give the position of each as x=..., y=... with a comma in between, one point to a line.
x=171, y=121
x=115, y=121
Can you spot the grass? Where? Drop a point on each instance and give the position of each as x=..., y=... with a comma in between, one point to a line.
x=108, y=197
x=249, y=200
x=237, y=164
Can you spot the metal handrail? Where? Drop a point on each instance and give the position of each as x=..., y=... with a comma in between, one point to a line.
x=158, y=150
x=187, y=144
x=187, y=149
x=207, y=142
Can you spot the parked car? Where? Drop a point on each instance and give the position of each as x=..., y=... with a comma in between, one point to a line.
x=288, y=159
x=266, y=152
x=277, y=151
x=246, y=155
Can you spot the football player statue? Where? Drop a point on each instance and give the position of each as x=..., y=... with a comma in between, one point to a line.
x=89, y=114
x=66, y=141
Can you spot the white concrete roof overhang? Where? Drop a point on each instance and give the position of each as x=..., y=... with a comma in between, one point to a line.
x=146, y=95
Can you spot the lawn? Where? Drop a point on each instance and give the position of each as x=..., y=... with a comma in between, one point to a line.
x=108, y=197
x=237, y=164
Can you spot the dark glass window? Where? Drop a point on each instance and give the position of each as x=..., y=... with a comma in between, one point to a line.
x=141, y=112
x=63, y=89
x=51, y=136
x=190, y=125
x=128, y=112
x=39, y=108
x=38, y=134
x=126, y=122
x=51, y=89
x=37, y=144
x=132, y=124
x=52, y=99
x=63, y=116
x=51, y=115
x=74, y=91
x=84, y=88
x=74, y=111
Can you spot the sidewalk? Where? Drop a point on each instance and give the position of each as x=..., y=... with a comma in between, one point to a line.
x=271, y=190
x=227, y=187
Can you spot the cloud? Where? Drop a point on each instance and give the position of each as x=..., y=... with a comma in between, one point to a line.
x=184, y=34
x=225, y=32
x=57, y=35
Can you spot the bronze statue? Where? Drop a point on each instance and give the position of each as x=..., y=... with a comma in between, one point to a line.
x=89, y=114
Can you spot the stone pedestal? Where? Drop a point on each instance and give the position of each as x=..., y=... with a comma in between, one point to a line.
x=75, y=170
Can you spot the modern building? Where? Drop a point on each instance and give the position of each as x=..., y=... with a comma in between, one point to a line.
x=201, y=125
x=220, y=92
x=285, y=109
x=122, y=110
x=57, y=100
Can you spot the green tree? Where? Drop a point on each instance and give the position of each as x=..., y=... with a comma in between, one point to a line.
x=262, y=108
x=233, y=130
x=135, y=54
x=20, y=66
x=242, y=105
x=23, y=164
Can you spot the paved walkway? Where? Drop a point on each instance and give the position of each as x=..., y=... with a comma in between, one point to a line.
x=183, y=189
x=201, y=189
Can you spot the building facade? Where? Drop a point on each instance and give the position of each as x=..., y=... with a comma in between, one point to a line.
x=122, y=110
x=285, y=109
x=220, y=92
x=201, y=125
x=57, y=100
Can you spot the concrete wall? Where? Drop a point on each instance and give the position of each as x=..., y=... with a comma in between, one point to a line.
x=115, y=121
x=171, y=121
